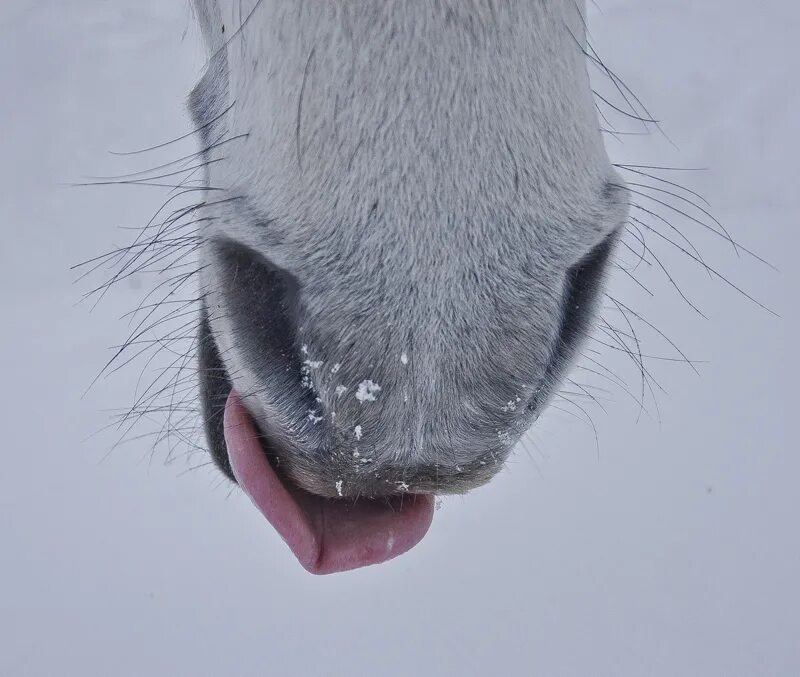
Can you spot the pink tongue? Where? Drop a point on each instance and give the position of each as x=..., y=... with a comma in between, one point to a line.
x=325, y=535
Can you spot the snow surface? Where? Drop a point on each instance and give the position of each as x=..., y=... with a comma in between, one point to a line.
x=670, y=550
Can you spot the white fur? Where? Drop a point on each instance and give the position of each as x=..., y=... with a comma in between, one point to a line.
x=428, y=171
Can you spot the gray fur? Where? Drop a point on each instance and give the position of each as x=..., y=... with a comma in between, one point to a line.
x=425, y=173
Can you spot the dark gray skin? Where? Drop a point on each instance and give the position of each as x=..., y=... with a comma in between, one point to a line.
x=405, y=236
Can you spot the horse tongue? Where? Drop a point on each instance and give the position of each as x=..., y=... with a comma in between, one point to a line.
x=325, y=535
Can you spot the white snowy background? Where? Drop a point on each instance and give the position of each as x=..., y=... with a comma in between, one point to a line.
x=673, y=550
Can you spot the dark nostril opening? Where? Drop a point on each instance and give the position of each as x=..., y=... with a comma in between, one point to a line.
x=261, y=301
x=582, y=289
x=581, y=294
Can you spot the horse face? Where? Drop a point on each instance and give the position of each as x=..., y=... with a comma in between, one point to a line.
x=408, y=217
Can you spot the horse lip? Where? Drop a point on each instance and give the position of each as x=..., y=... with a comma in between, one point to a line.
x=325, y=535
x=216, y=386
x=581, y=293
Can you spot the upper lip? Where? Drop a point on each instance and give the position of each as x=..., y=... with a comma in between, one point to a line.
x=580, y=295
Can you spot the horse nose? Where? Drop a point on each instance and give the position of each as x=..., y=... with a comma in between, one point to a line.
x=327, y=426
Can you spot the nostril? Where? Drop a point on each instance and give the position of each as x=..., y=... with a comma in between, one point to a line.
x=258, y=303
x=260, y=300
x=581, y=295
x=582, y=289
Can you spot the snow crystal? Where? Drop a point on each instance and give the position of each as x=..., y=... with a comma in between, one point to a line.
x=404, y=358
x=305, y=371
x=335, y=368
x=339, y=485
x=367, y=391
x=312, y=416
x=358, y=432
x=340, y=390
x=402, y=486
